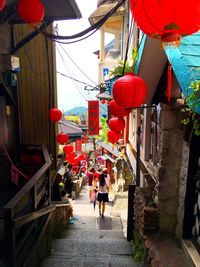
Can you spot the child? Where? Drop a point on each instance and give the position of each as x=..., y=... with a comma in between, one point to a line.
x=64, y=198
x=94, y=195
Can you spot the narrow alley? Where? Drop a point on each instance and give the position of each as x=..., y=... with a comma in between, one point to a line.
x=92, y=240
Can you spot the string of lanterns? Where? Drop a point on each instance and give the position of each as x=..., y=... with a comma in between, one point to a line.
x=129, y=92
x=55, y=115
x=28, y=11
x=62, y=138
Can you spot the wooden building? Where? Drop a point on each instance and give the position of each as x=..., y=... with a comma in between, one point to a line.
x=27, y=137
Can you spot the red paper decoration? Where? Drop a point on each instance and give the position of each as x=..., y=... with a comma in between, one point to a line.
x=30, y=11
x=55, y=114
x=167, y=19
x=129, y=91
x=117, y=110
x=62, y=138
x=116, y=124
x=68, y=149
x=2, y=4
x=113, y=137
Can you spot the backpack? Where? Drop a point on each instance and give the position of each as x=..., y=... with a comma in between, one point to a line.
x=66, y=176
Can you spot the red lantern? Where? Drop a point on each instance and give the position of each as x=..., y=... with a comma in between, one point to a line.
x=30, y=11
x=68, y=149
x=113, y=137
x=2, y=4
x=55, y=114
x=167, y=19
x=129, y=91
x=70, y=157
x=117, y=110
x=62, y=138
x=116, y=124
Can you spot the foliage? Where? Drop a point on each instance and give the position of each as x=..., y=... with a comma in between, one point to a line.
x=73, y=118
x=192, y=102
x=140, y=253
x=129, y=66
x=104, y=132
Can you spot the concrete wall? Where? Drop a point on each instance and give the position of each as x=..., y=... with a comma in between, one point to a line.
x=170, y=158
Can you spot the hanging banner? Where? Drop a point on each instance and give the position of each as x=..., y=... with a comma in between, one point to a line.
x=93, y=117
x=84, y=138
x=78, y=145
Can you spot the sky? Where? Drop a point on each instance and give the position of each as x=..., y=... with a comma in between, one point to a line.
x=72, y=94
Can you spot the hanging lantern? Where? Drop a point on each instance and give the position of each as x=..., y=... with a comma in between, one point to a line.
x=2, y=4
x=113, y=137
x=68, y=149
x=30, y=11
x=167, y=19
x=55, y=114
x=116, y=124
x=129, y=91
x=62, y=138
x=117, y=110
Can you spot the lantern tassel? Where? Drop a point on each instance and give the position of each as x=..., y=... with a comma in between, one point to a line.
x=169, y=82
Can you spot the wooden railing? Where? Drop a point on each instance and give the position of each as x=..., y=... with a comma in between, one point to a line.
x=26, y=214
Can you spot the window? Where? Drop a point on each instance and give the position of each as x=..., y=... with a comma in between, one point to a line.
x=154, y=137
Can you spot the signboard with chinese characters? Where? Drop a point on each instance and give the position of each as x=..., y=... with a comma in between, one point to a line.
x=93, y=117
x=78, y=145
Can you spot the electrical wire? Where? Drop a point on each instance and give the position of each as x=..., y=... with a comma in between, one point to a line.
x=77, y=65
x=94, y=27
x=78, y=88
x=62, y=74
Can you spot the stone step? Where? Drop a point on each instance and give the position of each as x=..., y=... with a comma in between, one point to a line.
x=96, y=223
x=64, y=260
x=93, y=234
x=92, y=247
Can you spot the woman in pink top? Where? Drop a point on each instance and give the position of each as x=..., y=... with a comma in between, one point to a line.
x=102, y=194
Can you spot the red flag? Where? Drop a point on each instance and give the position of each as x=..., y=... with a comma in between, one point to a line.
x=93, y=117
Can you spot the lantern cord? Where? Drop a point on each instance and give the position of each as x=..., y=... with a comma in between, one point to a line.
x=11, y=162
x=169, y=82
x=127, y=46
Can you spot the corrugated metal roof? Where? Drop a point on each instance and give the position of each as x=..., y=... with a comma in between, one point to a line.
x=69, y=128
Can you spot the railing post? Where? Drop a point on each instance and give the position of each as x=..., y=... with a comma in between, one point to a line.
x=9, y=237
x=138, y=158
x=131, y=213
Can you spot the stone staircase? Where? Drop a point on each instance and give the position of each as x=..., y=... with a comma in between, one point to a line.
x=91, y=240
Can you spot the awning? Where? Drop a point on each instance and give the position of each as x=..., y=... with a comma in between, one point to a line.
x=102, y=10
x=107, y=157
x=54, y=10
x=150, y=64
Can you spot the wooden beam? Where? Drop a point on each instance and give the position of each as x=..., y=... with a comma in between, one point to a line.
x=33, y=215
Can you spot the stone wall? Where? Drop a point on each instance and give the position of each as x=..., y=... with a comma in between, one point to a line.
x=182, y=188
x=146, y=216
x=170, y=158
x=59, y=219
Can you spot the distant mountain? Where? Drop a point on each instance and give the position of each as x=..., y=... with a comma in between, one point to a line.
x=77, y=111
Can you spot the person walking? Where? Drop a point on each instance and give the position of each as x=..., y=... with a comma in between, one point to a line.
x=102, y=194
x=68, y=178
x=90, y=175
